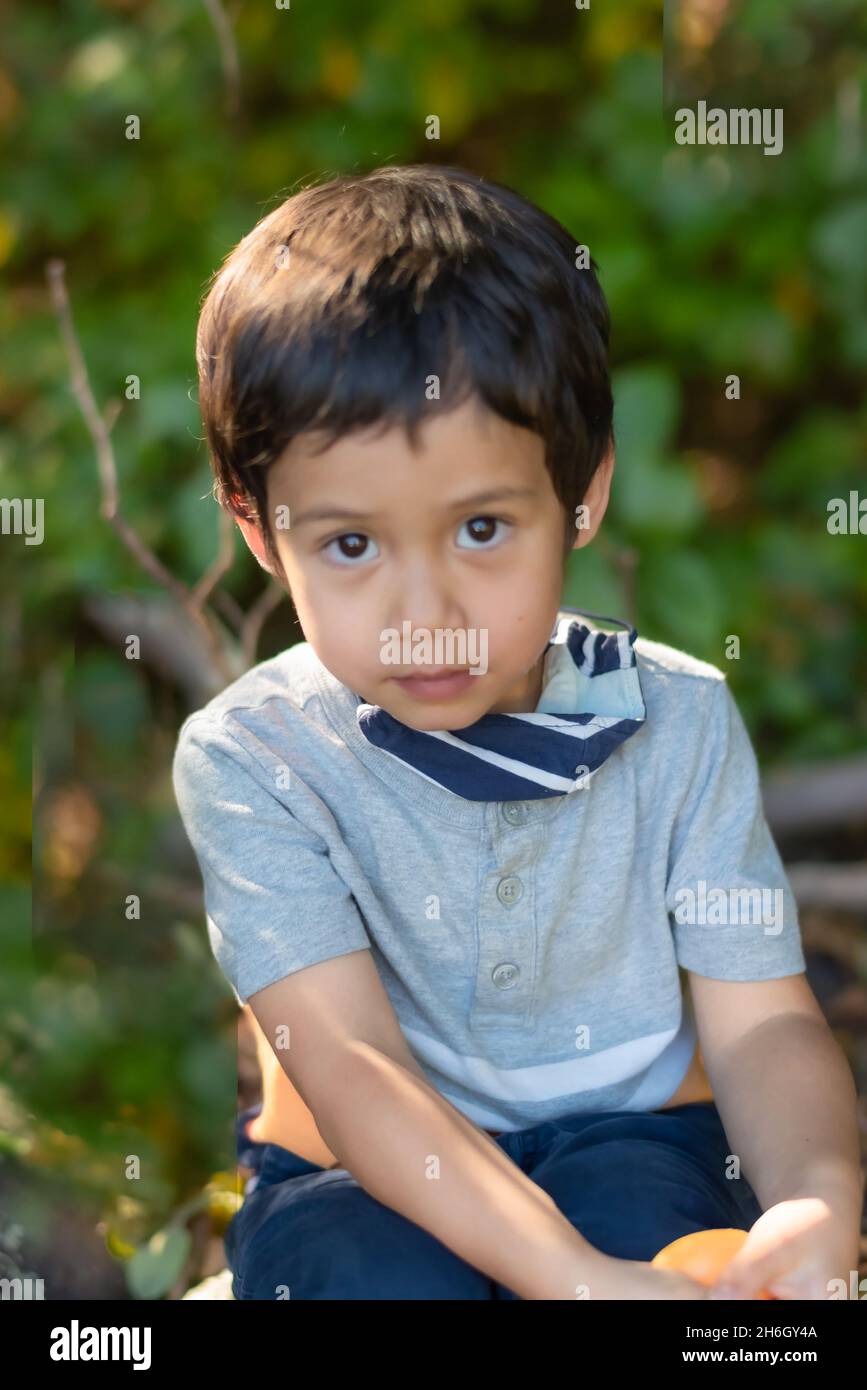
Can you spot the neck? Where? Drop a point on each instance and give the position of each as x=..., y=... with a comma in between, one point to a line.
x=525, y=694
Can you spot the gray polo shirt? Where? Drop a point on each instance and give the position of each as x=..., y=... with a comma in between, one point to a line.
x=534, y=952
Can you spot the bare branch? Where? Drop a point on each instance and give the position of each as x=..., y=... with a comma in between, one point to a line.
x=256, y=617
x=218, y=657
x=228, y=54
x=111, y=412
x=223, y=563
x=171, y=643
x=817, y=796
x=99, y=431
x=229, y=607
x=839, y=886
x=177, y=893
x=81, y=388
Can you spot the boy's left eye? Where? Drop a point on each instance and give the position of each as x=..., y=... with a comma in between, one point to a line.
x=482, y=529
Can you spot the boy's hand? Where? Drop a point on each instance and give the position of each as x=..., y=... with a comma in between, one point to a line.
x=793, y=1251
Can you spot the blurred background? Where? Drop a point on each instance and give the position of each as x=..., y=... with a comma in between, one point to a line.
x=141, y=139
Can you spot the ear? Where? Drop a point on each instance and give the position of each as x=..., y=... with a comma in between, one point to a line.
x=593, y=507
x=252, y=534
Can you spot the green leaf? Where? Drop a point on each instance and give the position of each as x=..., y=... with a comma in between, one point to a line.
x=155, y=1267
x=682, y=602
x=839, y=242
x=592, y=582
x=648, y=492
x=646, y=403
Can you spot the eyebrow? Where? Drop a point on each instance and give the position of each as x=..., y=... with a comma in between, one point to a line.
x=478, y=499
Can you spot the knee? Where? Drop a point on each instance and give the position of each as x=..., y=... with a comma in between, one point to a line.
x=334, y=1241
x=629, y=1198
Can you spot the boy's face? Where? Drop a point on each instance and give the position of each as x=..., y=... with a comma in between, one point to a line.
x=433, y=541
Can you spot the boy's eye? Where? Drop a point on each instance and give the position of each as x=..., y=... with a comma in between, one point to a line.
x=353, y=546
x=483, y=530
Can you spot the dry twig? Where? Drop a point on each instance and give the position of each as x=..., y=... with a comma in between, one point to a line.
x=228, y=54
x=227, y=655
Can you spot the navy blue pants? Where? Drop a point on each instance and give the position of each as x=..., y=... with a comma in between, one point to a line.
x=629, y=1181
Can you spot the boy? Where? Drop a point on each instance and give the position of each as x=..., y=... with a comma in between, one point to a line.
x=458, y=845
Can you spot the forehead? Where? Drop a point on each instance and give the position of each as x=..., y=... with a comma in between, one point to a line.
x=457, y=451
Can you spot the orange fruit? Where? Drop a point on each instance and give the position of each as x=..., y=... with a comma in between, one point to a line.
x=703, y=1255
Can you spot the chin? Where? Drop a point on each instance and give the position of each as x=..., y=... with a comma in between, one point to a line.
x=453, y=716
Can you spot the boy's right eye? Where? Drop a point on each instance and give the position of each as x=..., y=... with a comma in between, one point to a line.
x=355, y=543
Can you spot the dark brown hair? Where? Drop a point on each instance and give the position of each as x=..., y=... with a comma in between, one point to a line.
x=338, y=307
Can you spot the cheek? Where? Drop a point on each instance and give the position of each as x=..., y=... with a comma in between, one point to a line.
x=292, y=570
x=530, y=598
x=520, y=632
x=313, y=601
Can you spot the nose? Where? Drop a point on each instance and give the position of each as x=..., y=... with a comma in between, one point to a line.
x=424, y=596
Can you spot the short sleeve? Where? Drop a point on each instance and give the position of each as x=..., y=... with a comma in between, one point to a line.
x=731, y=907
x=273, y=900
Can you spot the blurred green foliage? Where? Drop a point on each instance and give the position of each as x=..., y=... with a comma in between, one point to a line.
x=117, y=1035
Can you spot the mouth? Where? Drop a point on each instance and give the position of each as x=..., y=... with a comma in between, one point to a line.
x=444, y=684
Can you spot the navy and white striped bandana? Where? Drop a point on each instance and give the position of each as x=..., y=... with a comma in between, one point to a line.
x=591, y=703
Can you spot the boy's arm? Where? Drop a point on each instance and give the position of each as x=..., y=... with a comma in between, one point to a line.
x=404, y=1142
x=783, y=1088
x=411, y=1149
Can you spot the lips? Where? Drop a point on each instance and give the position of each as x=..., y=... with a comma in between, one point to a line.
x=442, y=685
x=434, y=673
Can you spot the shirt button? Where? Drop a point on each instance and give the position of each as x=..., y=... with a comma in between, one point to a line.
x=515, y=812
x=509, y=890
x=505, y=975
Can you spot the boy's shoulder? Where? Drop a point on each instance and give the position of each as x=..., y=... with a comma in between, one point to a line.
x=281, y=685
x=683, y=695
x=660, y=663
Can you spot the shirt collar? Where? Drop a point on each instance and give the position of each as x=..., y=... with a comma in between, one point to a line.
x=591, y=702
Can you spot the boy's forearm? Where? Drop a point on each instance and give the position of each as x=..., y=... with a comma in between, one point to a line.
x=789, y=1106
x=413, y=1151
